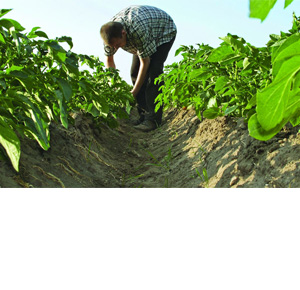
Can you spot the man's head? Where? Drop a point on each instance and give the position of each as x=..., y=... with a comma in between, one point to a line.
x=113, y=34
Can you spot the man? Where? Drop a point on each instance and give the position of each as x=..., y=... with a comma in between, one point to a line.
x=148, y=33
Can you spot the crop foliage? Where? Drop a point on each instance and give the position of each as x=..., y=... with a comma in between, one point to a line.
x=42, y=82
x=238, y=79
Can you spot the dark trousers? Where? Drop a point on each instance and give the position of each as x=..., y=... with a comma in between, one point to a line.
x=149, y=91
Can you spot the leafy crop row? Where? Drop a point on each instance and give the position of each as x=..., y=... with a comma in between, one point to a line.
x=260, y=84
x=217, y=81
x=41, y=82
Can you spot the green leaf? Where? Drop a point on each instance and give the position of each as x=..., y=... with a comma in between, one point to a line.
x=38, y=133
x=3, y=84
x=274, y=37
x=9, y=23
x=261, y=8
x=287, y=46
x=92, y=110
x=233, y=41
x=271, y=103
x=54, y=45
x=256, y=131
x=291, y=114
x=41, y=34
x=128, y=107
x=205, y=175
x=246, y=63
x=212, y=113
x=179, y=50
x=66, y=39
x=293, y=108
x=200, y=74
x=11, y=143
x=221, y=53
x=230, y=92
x=14, y=68
x=273, y=100
x=230, y=60
x=71, y=64
x=212, y=103
x=4, y=11
x=65, y=88
x=230, y=110
x=101, y=106
x=16, y=71
x=36, y=125
x=19, y=74
x=26, y=83
x=62, y=109
x=221, y=83
x=289, y=68
x=287, y=3
x=105, y=109
x=62, y=56
x=2, y=38
x=288, y=49
x=33, y=30
x=251, y=103
x=85, y=59
x=34, y=33
x=295, y=121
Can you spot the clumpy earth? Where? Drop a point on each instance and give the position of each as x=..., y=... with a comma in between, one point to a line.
x=183, y=153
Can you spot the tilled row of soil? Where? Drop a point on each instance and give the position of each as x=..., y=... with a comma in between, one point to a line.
x=182, y=153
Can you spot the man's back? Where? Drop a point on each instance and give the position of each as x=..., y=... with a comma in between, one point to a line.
x=147, y=28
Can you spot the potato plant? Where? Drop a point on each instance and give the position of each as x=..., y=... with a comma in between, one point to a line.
x=237, y=79
x=41, y=82
x=217, y=81
x=279, y=102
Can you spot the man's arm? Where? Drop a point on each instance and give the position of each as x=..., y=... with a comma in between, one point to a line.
x=144, y=65
x=110, y=62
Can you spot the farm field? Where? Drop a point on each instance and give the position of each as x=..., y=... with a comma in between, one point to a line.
x=232, y=116
x=207, y=199
x=173, y=156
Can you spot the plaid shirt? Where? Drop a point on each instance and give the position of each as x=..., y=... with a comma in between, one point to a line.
x=147, y=28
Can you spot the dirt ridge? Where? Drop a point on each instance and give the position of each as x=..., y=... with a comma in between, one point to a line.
x=176, y=155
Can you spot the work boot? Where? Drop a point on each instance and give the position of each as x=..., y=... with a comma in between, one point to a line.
x=146, y=126
x=138, y=121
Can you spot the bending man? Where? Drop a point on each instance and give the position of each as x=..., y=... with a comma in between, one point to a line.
x=148, y=33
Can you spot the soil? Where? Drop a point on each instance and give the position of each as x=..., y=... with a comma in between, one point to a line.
x=183, y=153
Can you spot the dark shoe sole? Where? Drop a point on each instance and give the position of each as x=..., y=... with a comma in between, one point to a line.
x=146, y=126
x=137, y=122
